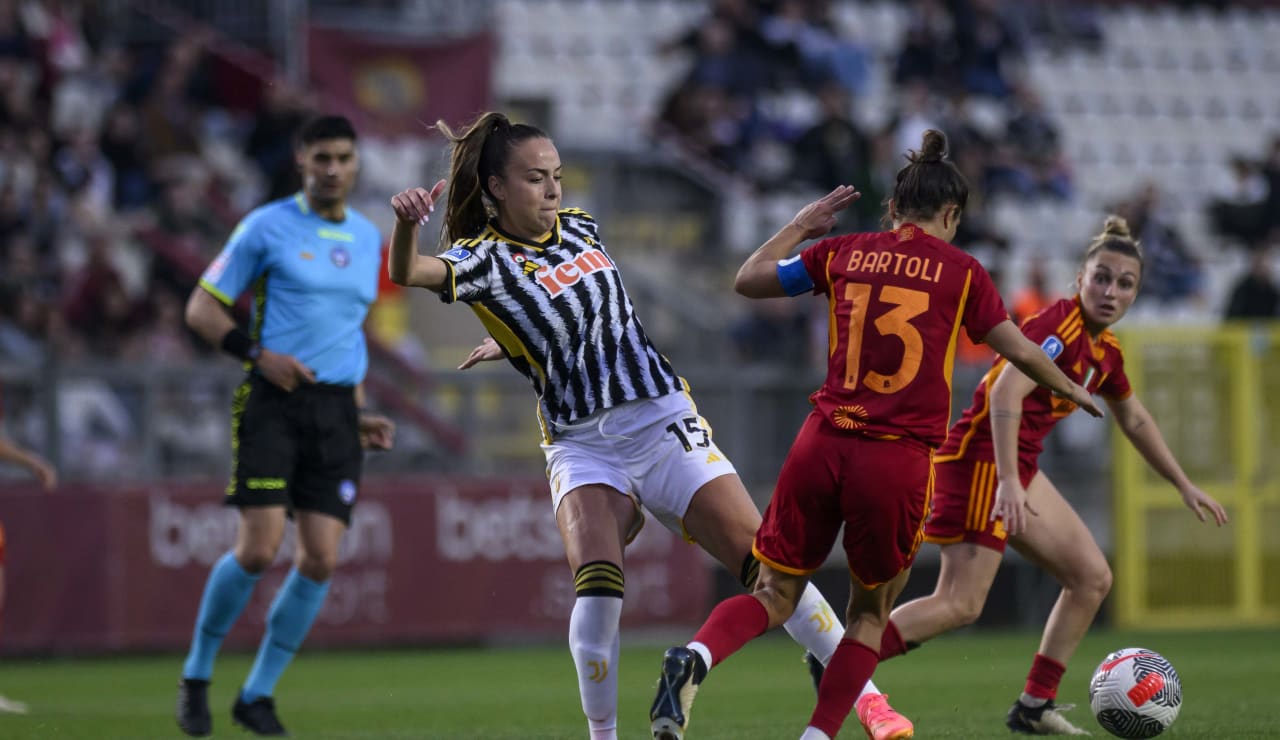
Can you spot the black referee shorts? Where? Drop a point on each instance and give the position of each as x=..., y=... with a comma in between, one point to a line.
x=300, y=449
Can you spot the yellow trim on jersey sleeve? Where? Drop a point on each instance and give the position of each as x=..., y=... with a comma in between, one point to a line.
x=451, y=282
x=833, y=334
x=213, y=291
x=949, y=361
x=503, y=335
x=507, y=338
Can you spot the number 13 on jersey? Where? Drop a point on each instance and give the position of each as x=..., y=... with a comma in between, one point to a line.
x=896, y=322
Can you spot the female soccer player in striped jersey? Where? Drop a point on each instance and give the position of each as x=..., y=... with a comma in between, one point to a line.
x=897, y=301
x=989, y=491
x=620, y=430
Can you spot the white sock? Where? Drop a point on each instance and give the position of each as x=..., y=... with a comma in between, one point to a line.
x=702, y=650
x=815, y=625
x=813, y=733
x=603, y=733
x=594, y=643
x=869, y=688
x=1032, y=701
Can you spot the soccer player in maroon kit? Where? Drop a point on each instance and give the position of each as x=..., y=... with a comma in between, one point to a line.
x=897, y=301
x=989, y=491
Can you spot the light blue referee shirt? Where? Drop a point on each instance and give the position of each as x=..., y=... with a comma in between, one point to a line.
x=313, y=281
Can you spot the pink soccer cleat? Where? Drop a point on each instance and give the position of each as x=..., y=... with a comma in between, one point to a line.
x=880, y=720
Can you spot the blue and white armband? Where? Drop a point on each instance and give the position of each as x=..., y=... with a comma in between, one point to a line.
x=794, y=277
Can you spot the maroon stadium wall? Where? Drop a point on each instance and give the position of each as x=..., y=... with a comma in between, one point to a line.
x=427, y=560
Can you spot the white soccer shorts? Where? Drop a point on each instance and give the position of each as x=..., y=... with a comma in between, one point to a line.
x=658, y=451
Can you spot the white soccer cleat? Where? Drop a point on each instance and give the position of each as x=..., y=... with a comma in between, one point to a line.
x=1046, y=719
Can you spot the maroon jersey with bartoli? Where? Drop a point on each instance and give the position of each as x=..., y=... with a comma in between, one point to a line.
x=896, y=303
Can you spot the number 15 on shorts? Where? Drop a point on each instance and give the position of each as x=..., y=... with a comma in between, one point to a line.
x=691, y=433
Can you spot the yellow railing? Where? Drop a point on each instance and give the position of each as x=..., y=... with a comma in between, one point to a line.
x=1215, y=393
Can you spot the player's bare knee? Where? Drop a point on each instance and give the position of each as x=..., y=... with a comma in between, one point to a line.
x=1096, y=584
x=255, y=557
x=780, y=605
x=317, y=566
x=965, y=609
x=1089, y=583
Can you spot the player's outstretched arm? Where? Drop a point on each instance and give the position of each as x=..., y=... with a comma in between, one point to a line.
x=413, y=208
x=758, y=276
x=1008, y=391
x=1140, y=427
x=1014, y=346
x=487, y=351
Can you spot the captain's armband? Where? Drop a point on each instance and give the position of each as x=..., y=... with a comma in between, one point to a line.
x=794, y=276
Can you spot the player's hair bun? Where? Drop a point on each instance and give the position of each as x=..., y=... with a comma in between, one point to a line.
x=1116, y=226
x=933, y=148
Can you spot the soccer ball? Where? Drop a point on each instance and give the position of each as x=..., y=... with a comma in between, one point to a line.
x=1135, y=693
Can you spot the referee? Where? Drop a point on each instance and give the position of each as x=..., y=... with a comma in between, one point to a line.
x=297, y=428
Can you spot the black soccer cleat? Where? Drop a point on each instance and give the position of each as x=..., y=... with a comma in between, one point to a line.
x=1045, y=719
x=193, y=707
x=258, y=716
x=816, y=669
x=682, y=672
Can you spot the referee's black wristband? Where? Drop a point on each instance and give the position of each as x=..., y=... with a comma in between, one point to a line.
x=238, y=343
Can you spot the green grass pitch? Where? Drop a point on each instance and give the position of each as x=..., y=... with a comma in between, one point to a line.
x=955, y=687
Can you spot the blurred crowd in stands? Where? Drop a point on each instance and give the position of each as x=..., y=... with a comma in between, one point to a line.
x=121, y=171
x=773, y=97
x=756, y=61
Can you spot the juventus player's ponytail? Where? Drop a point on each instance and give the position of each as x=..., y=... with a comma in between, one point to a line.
x=481, y=151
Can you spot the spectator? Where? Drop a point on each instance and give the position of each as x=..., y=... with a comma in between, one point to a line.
x=100, y=308
x=928, y=51
x=1255, y=295
x=121, y=143
x=270, y=142
x=1239, y=207
x=1035, y=295
x=83, y=170
x=773, y=332
x=1271, y=171
x=823, y=55
x=987, y=46
x=834, y=151
x=1028, y=162
x=916, y=113
x=24, y=323
x=14, y=43
x=1172, y=272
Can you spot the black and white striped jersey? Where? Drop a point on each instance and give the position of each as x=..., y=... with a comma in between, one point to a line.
x=559, y=310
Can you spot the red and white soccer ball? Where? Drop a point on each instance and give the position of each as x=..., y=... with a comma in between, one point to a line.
x=1135, y=693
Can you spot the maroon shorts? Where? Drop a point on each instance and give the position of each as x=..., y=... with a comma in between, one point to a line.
x=964, y=494
x=877, y=488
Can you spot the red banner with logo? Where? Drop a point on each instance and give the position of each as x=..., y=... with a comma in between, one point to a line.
x=390, y=87
x=425, y=560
